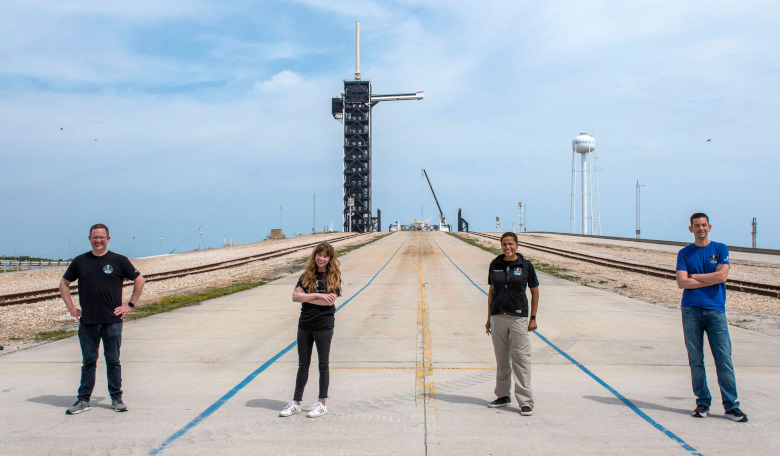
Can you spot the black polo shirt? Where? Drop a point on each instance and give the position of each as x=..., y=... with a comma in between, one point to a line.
x=509, y=280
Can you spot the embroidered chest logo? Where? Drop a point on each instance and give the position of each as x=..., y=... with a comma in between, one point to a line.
x=714, y=259
x=108, y=269
x=518, y=271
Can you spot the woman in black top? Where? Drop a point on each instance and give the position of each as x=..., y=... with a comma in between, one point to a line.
x=510, y=322
x=316, y=290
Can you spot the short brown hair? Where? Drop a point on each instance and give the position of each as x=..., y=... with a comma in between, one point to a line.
x=98, y=226
x=509, y=234
x=699, y=215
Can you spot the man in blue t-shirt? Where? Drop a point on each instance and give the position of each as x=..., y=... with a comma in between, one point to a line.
x=702, y=270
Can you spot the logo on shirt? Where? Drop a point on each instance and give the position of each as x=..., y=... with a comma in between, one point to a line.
x=108, y=269
x=518, y=271
x=714, y=259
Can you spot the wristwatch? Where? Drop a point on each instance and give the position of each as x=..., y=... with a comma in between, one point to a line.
x=131, y=304
x=690, y=275
x=533, y=317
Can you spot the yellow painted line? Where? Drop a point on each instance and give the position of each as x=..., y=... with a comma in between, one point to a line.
x=426, y=390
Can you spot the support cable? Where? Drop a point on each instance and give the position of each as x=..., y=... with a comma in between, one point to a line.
x=466, y=120
x=290, y=135
x=589, y=92
x=192, y=76
x=107, y=170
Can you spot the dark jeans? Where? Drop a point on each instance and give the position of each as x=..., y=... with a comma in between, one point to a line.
x=697, y=321
x=89, y=337
x=306, y=340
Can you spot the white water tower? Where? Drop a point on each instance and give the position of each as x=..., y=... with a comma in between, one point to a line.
x=590, y=211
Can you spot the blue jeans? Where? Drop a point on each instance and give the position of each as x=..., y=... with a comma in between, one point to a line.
x=696, y=321
x=89, y=337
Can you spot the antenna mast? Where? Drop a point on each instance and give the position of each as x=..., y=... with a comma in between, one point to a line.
x=357, y=51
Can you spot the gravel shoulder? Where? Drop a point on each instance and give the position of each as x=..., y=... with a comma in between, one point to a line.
x=753, y=312
x=20, y=324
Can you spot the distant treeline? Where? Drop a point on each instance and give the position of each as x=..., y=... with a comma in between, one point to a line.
x=26, y=258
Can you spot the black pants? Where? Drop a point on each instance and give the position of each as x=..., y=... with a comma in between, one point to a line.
x=306, y=340
x=89, y=338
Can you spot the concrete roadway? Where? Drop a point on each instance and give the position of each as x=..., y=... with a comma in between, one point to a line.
x=412, y=373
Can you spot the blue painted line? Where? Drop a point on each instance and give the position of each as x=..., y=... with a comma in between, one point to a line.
x=221, y=401
x=601, y=382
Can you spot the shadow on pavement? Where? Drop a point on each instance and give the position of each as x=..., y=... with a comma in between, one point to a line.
x=66, y=401
x=269, y=404
x=462, y=399
x=640, y=404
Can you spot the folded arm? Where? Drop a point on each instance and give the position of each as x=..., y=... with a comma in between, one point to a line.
x=318, y=299
x=683, y=281
x=720, y=275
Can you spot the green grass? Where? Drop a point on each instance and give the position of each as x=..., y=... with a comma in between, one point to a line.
x=538, y=265
x=57, y=334
x=602, y=282
x=174, y=302
x=623, y=286
x=169, y=303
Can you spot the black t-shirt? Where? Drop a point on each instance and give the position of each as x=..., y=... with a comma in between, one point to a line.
x=100, y=285
x=314, y=317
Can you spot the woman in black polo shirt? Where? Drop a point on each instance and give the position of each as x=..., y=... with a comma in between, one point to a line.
x=316, y=290
x=509, y=323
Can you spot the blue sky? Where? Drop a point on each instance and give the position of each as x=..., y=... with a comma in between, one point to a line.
x=189, y=99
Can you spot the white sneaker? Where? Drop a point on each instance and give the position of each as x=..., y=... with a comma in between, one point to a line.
x=318, y=409
x=291, y=409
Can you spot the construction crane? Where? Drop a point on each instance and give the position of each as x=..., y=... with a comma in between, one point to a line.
x=443, y=225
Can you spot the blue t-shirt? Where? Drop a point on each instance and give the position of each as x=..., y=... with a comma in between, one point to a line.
x=704, y=260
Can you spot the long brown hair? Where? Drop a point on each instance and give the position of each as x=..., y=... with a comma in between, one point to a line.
x=332, y=271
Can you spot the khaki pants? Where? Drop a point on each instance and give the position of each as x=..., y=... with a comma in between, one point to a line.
x=512, y=346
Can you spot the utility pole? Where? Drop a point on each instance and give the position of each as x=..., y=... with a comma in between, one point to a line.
x=638, y=200
x=755, y=232
x=280, y=219
x=498, y=224
x=133, y=247
x=161, y=250
x=314, y=214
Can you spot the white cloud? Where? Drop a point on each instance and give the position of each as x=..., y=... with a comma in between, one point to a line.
x=280, y=82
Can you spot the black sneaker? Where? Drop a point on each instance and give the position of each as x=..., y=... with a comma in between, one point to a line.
x=737, y=415
x=526, y=410
x=501, y=402
x=701, y=411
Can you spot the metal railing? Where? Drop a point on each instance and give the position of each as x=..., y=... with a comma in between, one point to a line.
x=13, y=266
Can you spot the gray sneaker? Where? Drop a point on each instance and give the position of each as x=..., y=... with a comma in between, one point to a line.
x=78, y=407
x=118, y=405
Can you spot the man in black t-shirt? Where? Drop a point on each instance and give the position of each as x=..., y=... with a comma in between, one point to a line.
x=100, y=274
